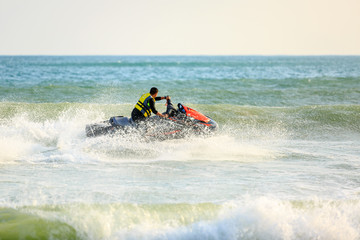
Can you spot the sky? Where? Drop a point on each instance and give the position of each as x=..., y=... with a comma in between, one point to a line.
x=179, y=27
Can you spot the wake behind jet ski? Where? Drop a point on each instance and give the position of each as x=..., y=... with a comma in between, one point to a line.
x=181, y=122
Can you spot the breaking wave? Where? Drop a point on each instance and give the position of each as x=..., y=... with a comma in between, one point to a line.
x=248, y=218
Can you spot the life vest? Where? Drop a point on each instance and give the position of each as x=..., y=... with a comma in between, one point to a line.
x=143, y=105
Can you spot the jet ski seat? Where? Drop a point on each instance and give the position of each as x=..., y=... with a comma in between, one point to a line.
x=121, y=121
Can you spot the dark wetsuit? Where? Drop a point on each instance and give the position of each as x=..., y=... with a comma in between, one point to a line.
x=136, y=115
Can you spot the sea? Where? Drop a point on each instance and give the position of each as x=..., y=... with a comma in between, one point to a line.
x=284, y=163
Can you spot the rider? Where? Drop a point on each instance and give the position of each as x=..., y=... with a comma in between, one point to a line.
x=146, y=105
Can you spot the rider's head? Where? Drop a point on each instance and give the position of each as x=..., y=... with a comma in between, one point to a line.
x=153, y=91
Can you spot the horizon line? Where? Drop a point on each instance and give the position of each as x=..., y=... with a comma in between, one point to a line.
x=177, y=55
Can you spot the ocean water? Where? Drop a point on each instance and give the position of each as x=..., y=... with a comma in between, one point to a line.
x=285, y=163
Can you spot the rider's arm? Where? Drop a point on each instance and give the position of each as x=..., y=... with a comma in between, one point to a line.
x=160, y=98
x=161, y=115
x=152, y=106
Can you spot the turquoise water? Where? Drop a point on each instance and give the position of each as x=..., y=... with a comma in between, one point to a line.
x=255, y=81
x=284, y=164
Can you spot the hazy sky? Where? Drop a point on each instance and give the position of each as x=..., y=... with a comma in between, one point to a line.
x=181, y=27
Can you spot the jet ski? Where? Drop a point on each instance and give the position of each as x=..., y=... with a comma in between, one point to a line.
x=181, y=122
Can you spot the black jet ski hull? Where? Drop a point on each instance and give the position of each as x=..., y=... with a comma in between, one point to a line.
x=113, y=125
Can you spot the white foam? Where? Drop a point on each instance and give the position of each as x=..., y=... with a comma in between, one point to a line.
x=12, y=148
x=248, y=218
x=23, y=139
x=212, y=148
x=66, y=133
x=263, y=218
x=272, y=218
x=217, y=148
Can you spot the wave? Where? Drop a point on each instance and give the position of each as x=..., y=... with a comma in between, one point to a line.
x=29, y=130
x=17, y=224
x=330, y=117
x=207, y=88
x=247, y=218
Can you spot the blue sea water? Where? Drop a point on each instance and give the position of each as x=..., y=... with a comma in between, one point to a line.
x=284, y=164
